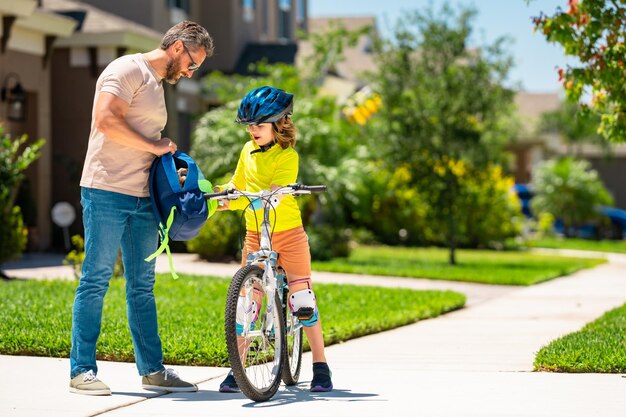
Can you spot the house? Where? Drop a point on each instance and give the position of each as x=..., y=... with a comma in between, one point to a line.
x=28, y=33
x=531, y=147
x=345, y=77
x=56, y=49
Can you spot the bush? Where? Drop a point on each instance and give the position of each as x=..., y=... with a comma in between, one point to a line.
x=14, y=234
x=13, y=163
x=327, y=242
x=490, y=210
x=220, y=238
x=569, y=190
x=388, y=204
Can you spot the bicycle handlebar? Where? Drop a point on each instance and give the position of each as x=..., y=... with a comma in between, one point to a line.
x=294, y=189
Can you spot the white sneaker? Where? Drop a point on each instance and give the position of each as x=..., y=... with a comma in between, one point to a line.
x=87, y=384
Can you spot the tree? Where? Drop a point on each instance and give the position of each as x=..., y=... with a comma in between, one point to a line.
x=594, y=31
x=569, y=190
x=13, y=162
x=444, y=108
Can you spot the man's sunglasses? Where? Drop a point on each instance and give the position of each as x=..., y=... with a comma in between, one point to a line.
x=193, y=66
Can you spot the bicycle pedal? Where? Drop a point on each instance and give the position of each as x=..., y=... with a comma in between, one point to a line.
x=304, y=313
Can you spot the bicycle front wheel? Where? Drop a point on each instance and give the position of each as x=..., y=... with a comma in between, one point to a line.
x=255, y=334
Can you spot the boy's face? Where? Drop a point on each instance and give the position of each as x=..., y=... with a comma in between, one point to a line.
x=262, y=134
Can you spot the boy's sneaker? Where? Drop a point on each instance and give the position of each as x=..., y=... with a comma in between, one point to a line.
x=167, y=380
x=321, y=378
x=229, y=384
x=87, y=384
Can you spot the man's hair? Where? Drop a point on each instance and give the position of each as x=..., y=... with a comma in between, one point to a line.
x=285, y=132
x=192, y=34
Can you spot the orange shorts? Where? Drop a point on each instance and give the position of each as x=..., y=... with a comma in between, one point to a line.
x=292, y=245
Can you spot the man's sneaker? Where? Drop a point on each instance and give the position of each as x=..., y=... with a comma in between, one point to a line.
x=229, y=384
x=321, y=378
x=167, y=380
x=87, y=384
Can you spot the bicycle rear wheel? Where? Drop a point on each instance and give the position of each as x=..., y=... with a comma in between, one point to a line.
x=256, y=349
x=293, y=351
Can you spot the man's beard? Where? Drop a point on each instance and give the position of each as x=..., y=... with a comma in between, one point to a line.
x=172, y=71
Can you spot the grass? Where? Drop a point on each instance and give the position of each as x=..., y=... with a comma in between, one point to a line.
x=616, y=246
x=35, y=318
x=600, y=346
x=489, y=267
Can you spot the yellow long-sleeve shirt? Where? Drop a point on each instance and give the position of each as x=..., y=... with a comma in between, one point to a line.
x=258, y=171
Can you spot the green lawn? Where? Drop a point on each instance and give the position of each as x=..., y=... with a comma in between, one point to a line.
x=35, y=318
x=600, y=346
x=490, y=267
x=617, y=246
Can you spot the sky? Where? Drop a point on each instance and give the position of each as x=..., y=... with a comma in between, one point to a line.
x=535, y=59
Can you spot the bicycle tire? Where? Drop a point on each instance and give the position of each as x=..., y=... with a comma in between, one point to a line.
x=293, y=348
x=258, y=369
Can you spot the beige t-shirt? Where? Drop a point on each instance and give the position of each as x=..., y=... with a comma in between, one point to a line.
x=109, y=165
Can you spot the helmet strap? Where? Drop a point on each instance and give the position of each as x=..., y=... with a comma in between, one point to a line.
x=264, y=148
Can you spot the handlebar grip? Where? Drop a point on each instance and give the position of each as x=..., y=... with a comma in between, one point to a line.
x=210, y=196
x=314, y=188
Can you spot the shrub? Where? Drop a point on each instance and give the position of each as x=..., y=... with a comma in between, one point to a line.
x=490, y=210
x=327, y=242
x=220, y=238
x=13, y=162
x=569, y=190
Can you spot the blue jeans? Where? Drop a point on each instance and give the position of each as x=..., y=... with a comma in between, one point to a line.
x=112, y=220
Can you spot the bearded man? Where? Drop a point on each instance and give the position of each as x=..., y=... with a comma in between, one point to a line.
x=128, y=117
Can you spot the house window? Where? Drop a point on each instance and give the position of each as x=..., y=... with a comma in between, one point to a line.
x=178, y=4
x=284, y=19
x=265, y=18
x=247, y=7
x=301, y=15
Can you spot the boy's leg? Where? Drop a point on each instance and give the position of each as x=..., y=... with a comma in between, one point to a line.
x=295, y=258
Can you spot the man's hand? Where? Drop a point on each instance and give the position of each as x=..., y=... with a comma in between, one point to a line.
x=163, y=146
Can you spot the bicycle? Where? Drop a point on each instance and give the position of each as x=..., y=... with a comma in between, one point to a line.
x=265, y=347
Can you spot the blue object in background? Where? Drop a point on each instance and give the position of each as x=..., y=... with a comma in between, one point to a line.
x=524, y=194
x=616, y=215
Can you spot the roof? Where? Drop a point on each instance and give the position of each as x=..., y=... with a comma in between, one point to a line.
x=101, y=28
x=530, y=107
x=533, y=105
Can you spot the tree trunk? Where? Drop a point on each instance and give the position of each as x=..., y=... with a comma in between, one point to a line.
x=452, y=237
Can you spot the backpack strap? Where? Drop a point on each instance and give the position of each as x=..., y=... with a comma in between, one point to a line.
x=170, y=171
x=165, y=239
x=170, y=167
x=155, y=205
x=192, y=171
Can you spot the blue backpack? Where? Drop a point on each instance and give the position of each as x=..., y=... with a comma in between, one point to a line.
x=181, y=211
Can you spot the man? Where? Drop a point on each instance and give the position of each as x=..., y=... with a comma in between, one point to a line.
x=127, y=119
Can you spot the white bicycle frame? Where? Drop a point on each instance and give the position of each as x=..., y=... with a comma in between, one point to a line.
x=265, y=256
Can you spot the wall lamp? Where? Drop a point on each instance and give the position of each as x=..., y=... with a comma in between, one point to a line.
x=15, y=97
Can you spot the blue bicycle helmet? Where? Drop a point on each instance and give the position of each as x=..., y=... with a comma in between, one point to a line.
x=264, y=105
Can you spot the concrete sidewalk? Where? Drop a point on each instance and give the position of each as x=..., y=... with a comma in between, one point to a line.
x=473, y=362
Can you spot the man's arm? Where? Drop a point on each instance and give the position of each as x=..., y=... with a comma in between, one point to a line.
x=110, y=119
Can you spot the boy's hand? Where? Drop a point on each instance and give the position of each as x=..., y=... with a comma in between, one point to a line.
x=223, y=205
